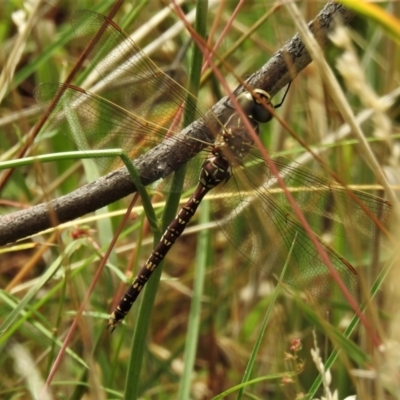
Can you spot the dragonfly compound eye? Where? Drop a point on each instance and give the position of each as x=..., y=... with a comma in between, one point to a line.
x=254, y=105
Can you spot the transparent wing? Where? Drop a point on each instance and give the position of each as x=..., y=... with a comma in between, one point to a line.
x=260, y=223
x=93, y=122
x=322, y=200
x=140, y=86
x=149, y=101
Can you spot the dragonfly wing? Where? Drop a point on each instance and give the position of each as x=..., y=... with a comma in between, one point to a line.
x=263, y=231
x=93, y=122
x=137, y=81
x=324, y=200
x=149, y=101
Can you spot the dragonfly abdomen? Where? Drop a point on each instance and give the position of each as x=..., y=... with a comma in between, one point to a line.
x=214, y=170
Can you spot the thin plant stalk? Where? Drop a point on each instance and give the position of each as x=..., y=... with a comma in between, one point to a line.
x=250, y=364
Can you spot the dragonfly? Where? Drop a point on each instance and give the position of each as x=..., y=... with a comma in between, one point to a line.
x=148, y=101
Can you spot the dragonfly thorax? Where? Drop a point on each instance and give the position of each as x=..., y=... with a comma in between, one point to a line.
x=235, y=141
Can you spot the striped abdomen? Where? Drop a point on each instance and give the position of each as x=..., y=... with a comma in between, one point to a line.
x=214, y=170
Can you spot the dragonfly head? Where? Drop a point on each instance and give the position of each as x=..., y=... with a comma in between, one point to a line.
x=255, y=105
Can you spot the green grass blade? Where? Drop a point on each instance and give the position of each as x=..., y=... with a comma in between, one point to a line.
x=264, y=325
x=194, y=320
